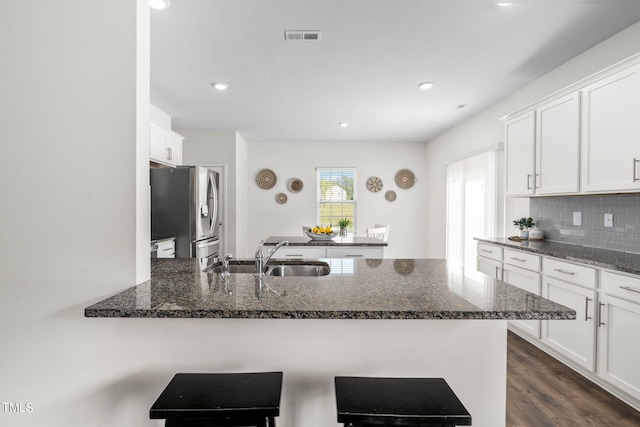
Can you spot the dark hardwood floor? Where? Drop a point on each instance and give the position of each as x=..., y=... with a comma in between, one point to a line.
x=542, y=392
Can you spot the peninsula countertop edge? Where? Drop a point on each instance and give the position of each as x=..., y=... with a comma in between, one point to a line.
x=355, y=289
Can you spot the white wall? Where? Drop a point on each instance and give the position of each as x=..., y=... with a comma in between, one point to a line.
x=406, y=216
x=486, y=128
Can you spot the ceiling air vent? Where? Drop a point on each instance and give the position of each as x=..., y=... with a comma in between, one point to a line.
x=302, y=36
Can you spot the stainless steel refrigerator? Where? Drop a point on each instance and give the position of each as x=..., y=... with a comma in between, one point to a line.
x=185, y=205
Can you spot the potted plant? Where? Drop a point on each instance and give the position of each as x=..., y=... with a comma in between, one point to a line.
x=524, y=224
x=343, y=224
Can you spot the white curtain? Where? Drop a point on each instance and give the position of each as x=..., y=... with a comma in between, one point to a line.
x=471, y=205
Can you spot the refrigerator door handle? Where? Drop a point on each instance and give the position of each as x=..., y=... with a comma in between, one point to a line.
x=214, y=195
x=208, y=243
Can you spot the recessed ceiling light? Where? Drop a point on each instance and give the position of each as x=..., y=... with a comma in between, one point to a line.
x=220, y=85
x=425, y=85
x=159, y=4
x=343, y=124
x=504, y=4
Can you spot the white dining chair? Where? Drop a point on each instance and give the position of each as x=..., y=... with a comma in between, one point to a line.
x=376, y=232
x=386, y=231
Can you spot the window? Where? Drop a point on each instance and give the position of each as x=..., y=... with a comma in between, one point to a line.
x=336, y=196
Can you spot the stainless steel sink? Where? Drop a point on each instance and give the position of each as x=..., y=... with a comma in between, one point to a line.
x=298, y=270
x=278, y=270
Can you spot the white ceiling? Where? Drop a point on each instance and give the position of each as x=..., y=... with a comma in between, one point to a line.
x=367, y=67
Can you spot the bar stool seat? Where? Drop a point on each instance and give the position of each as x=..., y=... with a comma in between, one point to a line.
x=369, y=401
x=212, y=400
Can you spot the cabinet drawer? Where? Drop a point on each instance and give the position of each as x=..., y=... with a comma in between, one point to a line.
x=573, y=273
x=299, y=252
x=490, y=251
x=167, y=249
x=627, y=287
x=355, y=252
x=522, y=259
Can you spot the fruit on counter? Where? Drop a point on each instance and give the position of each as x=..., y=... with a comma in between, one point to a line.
x=322, y=230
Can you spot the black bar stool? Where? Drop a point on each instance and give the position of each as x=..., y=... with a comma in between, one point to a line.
x=368, y=402
x=212, y=400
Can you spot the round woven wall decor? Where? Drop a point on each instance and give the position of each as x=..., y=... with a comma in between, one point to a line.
x=405, y=178
x=281, y=198
x=295, y=185
x=390, y=195
x=266, y=179
x=374, y=184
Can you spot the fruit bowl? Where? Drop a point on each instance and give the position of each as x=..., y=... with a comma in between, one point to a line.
x=320, y=236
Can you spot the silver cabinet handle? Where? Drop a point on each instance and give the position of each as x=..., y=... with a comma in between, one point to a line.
x=486, y=250
x=600, y=322
x=528, y=181
x=537, y=181
x=498, y=275
x=628, y=288
x=559, y=270
x=518, y=259
x=300, y=255
x=169, y=154
x=586, y=309
x=353, y=256
x=635, y=176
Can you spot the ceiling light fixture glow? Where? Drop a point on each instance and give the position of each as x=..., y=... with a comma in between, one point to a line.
x=504, y=4
x=343, y=124
x=159, y=4
x=425, y=85
x=220, y=85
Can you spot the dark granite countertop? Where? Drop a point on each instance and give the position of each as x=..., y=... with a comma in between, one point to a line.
x=614, y=260
x=336, y=241
x=355, y=289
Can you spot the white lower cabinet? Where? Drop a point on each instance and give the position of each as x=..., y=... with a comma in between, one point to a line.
x=603, y=342
x=301, y=252
x=530, y=282
x=574, y=339
x=618, y=332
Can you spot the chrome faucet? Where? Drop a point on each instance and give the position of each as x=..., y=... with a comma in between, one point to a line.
x=225, y=265
x=262, y=260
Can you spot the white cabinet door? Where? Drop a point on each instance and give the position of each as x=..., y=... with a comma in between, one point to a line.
x=490, y=267
x=574, y=339
x=520, y=155
x=530, y=282
x=165, y=146
x=619, y=344
x=558, y=146
x=355, y=252
x=611, y=133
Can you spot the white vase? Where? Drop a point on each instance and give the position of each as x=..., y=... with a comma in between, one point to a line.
x=524, y=234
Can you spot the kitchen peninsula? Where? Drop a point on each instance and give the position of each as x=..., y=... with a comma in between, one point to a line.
x=368, y=317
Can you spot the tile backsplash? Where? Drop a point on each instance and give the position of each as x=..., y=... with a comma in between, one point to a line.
x=554, y=215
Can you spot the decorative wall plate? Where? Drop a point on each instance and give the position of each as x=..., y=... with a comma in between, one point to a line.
x=405, y=178
x=374, y=184
x=266, y=179
x=295, y=185
x=390, y=195
x=281, y=198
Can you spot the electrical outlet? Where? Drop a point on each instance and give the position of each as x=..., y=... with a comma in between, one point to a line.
x=608, y=220
x=577, y=218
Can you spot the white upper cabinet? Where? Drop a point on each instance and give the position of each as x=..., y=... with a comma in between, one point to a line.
x=520, y=155
x=165, y=146
x=611, y=132
x=558, y=146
